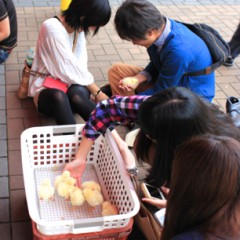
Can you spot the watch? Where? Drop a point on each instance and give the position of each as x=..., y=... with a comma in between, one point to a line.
x=133, y=171
x=97, y=92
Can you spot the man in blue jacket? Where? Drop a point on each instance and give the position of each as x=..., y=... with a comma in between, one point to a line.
x=173, y=50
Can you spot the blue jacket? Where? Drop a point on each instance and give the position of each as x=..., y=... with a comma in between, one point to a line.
x=183, y=51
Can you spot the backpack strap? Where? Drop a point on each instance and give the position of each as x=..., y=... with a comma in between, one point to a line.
x=204, y=71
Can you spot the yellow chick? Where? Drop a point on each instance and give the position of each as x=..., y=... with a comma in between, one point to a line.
x=109, y=209
x=91, y=185
x=64, y=184
x=76, y=197
x=46, y=190
x=64, y=190
x=64, y=177
x=130, y=81
x=92, y=197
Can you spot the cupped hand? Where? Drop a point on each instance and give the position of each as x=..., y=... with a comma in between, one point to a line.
x=128, y=84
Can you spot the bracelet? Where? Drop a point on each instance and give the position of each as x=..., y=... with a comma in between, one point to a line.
x=96, y=93
x=133, y=171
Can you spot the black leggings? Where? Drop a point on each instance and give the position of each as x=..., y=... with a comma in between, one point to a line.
x=61, y=106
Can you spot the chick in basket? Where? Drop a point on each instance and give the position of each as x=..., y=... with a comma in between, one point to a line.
x=77, y=197
x=46, y=190
x=64, y=184
x=92, y=193
x=109, y=209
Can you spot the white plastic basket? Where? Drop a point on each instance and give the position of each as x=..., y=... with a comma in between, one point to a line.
x=45, y=151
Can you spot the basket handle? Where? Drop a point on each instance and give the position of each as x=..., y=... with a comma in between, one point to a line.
x=87, y=227
x=64, y=130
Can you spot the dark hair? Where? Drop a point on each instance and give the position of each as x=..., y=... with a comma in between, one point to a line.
x=171, y=117
x=205, y=189
x=134, y=18
x=86, y=13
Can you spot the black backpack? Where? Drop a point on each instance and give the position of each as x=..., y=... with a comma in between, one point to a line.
x=217, y=46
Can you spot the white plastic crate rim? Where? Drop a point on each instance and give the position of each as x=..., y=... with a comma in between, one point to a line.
x=45, y=151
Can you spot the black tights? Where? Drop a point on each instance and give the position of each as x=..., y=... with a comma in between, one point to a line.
x=61, y=106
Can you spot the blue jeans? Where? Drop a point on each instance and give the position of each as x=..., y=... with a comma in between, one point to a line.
x=3, y=56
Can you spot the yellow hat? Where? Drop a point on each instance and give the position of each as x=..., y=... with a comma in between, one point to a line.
x=65, y=4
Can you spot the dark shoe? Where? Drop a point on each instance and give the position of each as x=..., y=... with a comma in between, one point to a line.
x=106, y=89
x=229, y=62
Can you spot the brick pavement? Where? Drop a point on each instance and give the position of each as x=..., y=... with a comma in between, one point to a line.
x=104, y=50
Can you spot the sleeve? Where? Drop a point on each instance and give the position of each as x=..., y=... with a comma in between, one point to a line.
x=56, y=53
x=111, y=112
x=172, y=71
x=3, y=11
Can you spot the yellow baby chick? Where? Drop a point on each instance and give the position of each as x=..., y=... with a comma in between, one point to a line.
x=64, y=177
x=92, y=197
x=64, y=189
x=130, y=81
x=46, y=190
x=109, y=209
x=76, y=197
x=92, y=185
x=64, y=184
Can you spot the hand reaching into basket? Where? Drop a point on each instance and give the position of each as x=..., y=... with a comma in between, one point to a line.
x=76, y=169
x=77, y=166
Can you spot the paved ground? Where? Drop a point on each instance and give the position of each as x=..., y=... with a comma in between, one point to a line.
x=103, y=50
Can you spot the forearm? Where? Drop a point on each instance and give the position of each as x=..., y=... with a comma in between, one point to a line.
x=124, y=150
x=84, y=149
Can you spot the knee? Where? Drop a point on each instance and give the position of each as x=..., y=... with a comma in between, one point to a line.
x=59, y=96
x=115, y=68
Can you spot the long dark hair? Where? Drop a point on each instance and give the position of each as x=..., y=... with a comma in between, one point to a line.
x=171, y=117
x=86, y=13
x=205, y=189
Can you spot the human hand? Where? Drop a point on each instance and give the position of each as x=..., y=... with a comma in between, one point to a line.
x=159, y=203
x=101, y=96
x=128, y=84
x=76, y=169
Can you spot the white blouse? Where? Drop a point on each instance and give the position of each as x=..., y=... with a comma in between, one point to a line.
x=54, y=56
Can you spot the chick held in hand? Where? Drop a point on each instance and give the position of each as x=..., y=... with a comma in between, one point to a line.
x=76, y=197
x=130, y=82
x=46, y=190
x=109, y=209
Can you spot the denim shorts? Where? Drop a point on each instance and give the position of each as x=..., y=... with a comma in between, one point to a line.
x=3, y=55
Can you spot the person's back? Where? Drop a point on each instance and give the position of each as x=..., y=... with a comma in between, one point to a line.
x=179, y=55
x=8, y=28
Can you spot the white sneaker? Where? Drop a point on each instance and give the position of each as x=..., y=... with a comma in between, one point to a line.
x=130, y=137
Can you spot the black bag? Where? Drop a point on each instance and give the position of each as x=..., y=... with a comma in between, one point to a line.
x=233, y=109
x=217, y=46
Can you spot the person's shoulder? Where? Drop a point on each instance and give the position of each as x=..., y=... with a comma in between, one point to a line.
x=50, y=21
x=51, y=26
x=189, y=236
